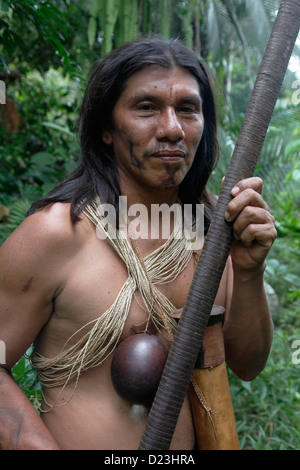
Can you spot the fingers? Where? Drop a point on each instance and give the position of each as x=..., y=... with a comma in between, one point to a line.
x=254, y=183
x=245, y=193
x=255, y=224
x=250, y=214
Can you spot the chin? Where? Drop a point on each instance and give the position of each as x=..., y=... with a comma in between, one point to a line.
x=171, y=183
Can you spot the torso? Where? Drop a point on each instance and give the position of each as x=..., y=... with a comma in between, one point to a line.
x=91, y=276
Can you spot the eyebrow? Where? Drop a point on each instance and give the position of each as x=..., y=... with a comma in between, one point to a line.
x=194, y=99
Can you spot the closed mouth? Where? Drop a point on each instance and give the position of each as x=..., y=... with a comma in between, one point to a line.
x=169, y=156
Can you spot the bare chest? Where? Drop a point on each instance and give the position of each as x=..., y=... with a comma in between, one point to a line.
x=96, y=279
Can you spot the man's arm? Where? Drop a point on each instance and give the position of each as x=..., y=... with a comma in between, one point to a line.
x=248, y=327
x=20, y=426
x=29, y=277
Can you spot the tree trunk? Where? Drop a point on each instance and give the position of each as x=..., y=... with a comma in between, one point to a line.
x=165, y=19
x=188, y=339
x=109, y=9
x=241, y=35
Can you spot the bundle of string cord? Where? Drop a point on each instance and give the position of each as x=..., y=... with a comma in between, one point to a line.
x=159, y=267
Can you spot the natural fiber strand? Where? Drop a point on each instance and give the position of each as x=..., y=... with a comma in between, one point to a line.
x=207, y=410
x=161, y=266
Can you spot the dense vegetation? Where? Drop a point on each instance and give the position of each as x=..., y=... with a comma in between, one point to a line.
x=46, y=49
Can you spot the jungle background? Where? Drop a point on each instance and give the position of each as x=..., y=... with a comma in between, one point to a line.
x=46, y=50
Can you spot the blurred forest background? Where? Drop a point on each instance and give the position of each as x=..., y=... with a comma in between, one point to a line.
x=46, y=50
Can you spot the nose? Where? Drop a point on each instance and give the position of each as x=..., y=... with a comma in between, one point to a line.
x=169, y=126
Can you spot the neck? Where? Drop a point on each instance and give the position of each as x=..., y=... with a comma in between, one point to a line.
x=148, y=196
x=149, y=212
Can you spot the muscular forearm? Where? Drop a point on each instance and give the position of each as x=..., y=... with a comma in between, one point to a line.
x=20, y=426
x=248, y=328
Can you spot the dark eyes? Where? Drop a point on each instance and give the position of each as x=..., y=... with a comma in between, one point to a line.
x=188, y=109
x=182, y=109
x=146, y=107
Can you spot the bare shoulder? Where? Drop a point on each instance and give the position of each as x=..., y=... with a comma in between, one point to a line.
x=37, y=251
x=42, y=244
x=51, y=223
x=45, y=230
x=33, y=268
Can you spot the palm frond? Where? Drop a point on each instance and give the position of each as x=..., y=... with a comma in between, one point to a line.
x=17, y=214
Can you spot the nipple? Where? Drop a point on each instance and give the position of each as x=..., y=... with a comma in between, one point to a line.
x=137, y=366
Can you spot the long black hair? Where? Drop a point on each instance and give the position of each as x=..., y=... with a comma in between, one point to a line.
x=97, y=173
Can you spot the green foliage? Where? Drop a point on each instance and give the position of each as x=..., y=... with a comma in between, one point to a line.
x=268, y=408
x=45, y=147
x=26, y=378
x=45, y=25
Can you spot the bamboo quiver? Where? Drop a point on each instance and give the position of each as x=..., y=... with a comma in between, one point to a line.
x=210, y=394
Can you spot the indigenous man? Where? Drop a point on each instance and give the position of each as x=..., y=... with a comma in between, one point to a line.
x=148, y=132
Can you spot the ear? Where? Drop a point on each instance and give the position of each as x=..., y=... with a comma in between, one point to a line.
x=106, y=137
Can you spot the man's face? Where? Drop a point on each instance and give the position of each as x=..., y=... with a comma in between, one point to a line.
x=158, y=124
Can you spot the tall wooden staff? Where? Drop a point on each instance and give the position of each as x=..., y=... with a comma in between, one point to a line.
x=178, y=370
